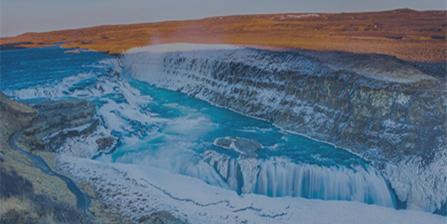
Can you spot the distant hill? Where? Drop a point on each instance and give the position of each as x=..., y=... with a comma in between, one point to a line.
x=417, y=36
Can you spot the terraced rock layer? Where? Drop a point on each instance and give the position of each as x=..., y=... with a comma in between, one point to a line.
x=380, y=107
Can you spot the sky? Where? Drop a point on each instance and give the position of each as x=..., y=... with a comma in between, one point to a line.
x=21, y=16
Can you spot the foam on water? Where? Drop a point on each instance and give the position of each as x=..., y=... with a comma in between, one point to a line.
x=172, y=132
x=176, y=134
x=279, y=177
x=256, y=83
x=138, y=190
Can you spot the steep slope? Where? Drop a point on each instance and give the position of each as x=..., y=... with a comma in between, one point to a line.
x=27, y=194
x=14, y=116
x=30, y=190
x=377, y=106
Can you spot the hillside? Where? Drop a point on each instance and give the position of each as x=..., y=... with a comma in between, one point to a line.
x=417, y=36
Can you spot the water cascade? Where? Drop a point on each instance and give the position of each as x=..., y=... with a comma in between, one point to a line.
x=175, y=132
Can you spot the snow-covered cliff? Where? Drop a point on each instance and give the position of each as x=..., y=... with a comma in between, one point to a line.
x=377, y=106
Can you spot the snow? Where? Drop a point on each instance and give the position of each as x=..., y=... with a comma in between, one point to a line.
x=118, y=105
x=415, y=184
x=403, y=99
x=250, y=145
x=228, y=195
x=86, y=146
x=299, y=16
x=66, y=130
x=303, y=16
x=195, y=69
x=175, y=47
x=137, y=190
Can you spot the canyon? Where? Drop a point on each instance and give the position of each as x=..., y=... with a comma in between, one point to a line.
x=370, y=84
x=381, y=108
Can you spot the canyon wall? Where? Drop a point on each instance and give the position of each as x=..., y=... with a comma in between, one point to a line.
x=377, y=106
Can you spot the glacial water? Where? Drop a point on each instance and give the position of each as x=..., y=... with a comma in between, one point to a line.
x=169, y=130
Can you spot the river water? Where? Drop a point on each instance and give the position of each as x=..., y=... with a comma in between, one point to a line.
x=174, y=132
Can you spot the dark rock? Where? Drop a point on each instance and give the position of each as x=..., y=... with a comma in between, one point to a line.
x=442, y=211
x=105, y=143
x=117, y=74
x=160, y=218
x=14, y=116
x=438, y=70
x=241, y=145
x=114, y=73
x=378, y=106
x=13, y=46
x=364, y=102
x=59, y=120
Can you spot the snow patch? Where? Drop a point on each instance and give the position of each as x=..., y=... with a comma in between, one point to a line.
x=86, y=146
x=303, y=16
x=175, y=47
x=138, y=190
x=423, y=188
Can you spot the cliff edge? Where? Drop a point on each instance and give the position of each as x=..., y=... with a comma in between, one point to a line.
x=377, y=106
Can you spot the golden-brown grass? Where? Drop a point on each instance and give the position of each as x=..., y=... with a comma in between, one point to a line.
x=13, y=203
x=407, y=34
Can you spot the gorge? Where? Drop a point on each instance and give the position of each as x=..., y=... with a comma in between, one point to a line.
x=146, y=151
x=381, y=108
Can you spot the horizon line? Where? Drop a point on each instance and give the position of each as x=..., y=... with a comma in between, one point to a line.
x=228, y=15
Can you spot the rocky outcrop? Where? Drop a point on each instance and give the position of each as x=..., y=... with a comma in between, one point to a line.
x=162, y=217
x=361, y=102
x=59, y=120
x=380, y=107
x=13, y=116
x=105, y=143
x=241, y=145
x=28, y=193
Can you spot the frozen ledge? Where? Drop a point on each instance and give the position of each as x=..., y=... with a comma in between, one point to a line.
x=181, y=47
x=330, y=96
x=137, y=190
x=375, y=66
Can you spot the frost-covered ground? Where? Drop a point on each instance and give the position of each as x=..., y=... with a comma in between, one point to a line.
x=138, y=190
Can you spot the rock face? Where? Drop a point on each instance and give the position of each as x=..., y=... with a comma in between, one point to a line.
x=105, y=143
x=13, y=117
x=39, y=195
x=361, y=102
x=59, y=120
x=242, y=145
x=160, y=218
x=378, y=106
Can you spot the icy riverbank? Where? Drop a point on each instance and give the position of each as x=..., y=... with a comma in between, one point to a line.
x=135, y=190
x=377, y=106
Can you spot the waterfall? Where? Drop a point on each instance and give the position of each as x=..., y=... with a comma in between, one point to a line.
x=280, y=177
x=330, y=96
